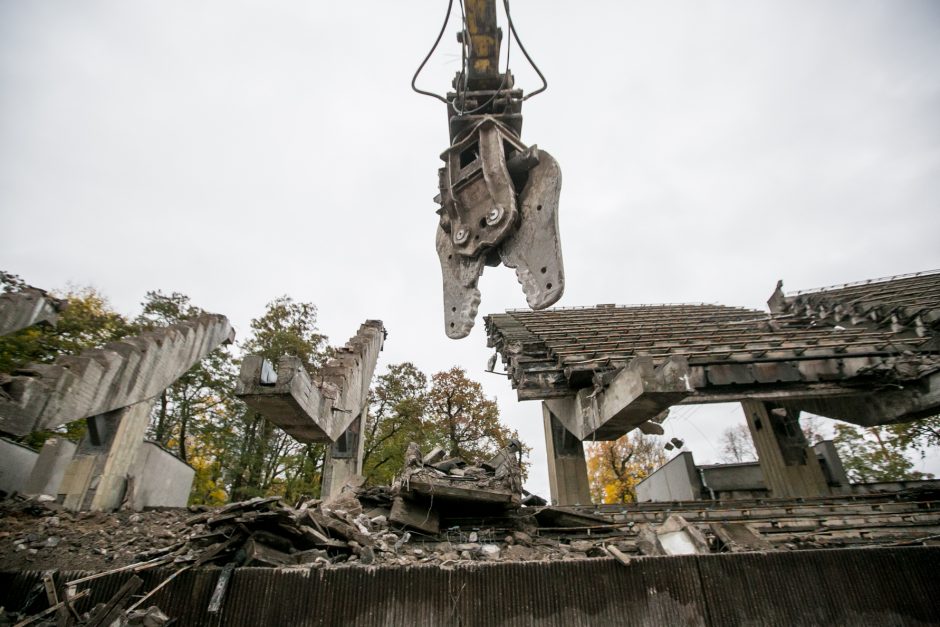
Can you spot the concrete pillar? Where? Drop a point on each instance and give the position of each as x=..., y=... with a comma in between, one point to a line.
x=96, y=479
x=54, y=457
x=343, y=459
x=567, y=470
x=789, y=465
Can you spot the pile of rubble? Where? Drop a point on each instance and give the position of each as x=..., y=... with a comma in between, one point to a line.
x=438, y=511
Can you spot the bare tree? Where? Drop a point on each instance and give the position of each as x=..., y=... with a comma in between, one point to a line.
x=736, y=445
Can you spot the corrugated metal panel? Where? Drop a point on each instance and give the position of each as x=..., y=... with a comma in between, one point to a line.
x=835, y=587
x=831, y=587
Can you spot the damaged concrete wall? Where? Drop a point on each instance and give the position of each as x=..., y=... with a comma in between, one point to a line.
x=27, y=307
x=160, y=478
x=726, y=478
x=101, y=380
x=16, y=462
x=54, y=458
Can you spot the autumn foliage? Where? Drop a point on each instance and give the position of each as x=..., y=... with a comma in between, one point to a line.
x=614, y=468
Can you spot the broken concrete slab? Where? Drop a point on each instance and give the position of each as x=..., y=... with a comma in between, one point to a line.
x=29, y=306
x=416, y=515
x=436, y=455
x=118, y=375
x=678, y=537
x=739, y=537
x=467, y=491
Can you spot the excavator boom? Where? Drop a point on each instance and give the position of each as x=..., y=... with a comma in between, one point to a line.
x=498, y=197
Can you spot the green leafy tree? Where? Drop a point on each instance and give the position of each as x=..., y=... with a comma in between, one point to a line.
x=461, y=420
x=920, y=435
x=397, y=403
x=872, y=454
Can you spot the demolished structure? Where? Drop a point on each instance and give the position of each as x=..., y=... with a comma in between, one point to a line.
x=328, y=407
x=867, y=353
x=27, y=307
x=450, y=543
x=113, y=388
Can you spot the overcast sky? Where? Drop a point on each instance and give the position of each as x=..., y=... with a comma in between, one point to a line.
x=237, y=151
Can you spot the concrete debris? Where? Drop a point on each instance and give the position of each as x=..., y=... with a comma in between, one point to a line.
x=678, y=537
x=363, y=528
x=452, y=485
x=27, y=307
x=65, y=613
x=738, y=537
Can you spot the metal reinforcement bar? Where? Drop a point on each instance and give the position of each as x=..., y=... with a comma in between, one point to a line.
x=879, y=586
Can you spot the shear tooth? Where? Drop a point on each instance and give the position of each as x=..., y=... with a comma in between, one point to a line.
x=460, y=277
x=534, y=250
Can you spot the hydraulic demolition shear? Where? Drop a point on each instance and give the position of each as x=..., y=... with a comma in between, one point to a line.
x=498, y=197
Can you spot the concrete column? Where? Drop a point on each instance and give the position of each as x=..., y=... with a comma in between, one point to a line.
x=567, y=470
x=96, y=479
x=54, y=457
x=343, y=459
x=789, y=465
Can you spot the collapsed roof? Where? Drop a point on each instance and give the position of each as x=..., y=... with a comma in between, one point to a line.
x=864, y=352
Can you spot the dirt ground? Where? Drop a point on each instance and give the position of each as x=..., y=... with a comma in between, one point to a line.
x=43, y=536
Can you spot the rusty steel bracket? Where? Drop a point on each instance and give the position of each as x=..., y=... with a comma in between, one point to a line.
x=499, y=203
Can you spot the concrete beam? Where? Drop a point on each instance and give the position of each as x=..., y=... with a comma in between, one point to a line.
x=293, y=402
x=315, y=411
x=633, y=395
x=27, y=307
x=915, y=400
x=567, y=468
x=96, y=478
x=343, y=459
x=120, y=374
x=787, y=462
x=350, y=371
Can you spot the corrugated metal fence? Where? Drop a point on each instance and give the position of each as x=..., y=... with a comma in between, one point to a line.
x=882, y=586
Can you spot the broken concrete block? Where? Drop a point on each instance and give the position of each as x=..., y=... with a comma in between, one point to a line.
x=739, y=537
x=582, y=546
x=623, y=400
x=490, y=551
x=258, y=554
x=344, y=504
x=436, y=455
x=411, y=514
x=27, y=307
x=448, y=464
x=678, y=537
x=647, y=541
